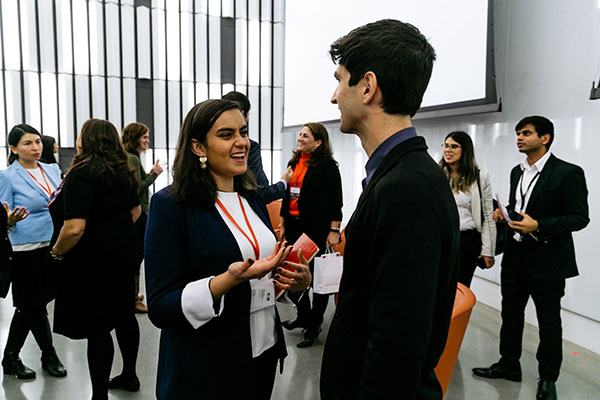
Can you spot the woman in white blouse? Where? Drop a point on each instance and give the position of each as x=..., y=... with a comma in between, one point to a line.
x=209, y=253
x=473, y=194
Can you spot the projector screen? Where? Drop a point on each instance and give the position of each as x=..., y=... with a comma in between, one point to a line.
x=457, y=30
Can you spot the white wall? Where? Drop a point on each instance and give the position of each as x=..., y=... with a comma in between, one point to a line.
x=547, y=54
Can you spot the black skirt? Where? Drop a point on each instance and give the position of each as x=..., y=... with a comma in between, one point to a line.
x=32, y=281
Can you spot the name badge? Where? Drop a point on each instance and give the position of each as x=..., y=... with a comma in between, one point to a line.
x=263, y=293
x=294, y=192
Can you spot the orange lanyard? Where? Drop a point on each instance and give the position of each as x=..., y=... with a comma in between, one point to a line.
x=254, y=244
x=47, y=187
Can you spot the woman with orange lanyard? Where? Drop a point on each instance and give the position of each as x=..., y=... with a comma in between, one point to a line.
x=29, y=183
x=312, y=205
x=210, y=249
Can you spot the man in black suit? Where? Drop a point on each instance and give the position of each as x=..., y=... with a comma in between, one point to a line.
x=548, y=201
x=268, y=192
x=400, y=260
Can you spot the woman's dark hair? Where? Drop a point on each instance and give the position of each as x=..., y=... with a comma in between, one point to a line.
x=15, y=134
x=48, y=150
x=131, y=136
x=468, y=171
x=191, y=183
x=101, y=146
x=322, y=152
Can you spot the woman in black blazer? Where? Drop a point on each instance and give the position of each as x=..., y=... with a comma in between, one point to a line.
x=210, y=249
x=312, y=205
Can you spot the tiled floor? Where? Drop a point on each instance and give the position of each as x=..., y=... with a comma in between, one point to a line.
x=580, y=378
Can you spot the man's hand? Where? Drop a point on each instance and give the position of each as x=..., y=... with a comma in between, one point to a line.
x=489, y=261
x=16, y=215
x=287, y=175
x=526, y=225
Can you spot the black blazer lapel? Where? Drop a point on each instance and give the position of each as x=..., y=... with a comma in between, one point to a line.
x=543, y=178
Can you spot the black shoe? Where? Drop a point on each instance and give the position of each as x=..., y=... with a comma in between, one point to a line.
x=125, y=383
x=310, y=335
x=14, y=366
x=52, y=365
x=293, y=324
x=496, y=371
x=546, y=390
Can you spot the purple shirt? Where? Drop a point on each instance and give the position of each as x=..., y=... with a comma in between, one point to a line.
x=383, y=149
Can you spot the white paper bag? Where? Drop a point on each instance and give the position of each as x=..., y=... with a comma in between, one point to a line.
x=328, y=272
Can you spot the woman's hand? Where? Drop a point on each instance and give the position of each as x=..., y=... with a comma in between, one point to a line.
x=297, y=280
x=333, y=239
x=157, y=168
x=16, y=215
x=489, y=261
x=251, y=269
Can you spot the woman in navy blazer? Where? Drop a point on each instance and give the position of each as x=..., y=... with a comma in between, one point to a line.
x=208, y=243
x=29, y=183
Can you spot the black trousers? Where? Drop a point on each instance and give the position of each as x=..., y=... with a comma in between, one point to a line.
x=470, y=249
x=310, y=314
x=517, y=285
x=264, y=368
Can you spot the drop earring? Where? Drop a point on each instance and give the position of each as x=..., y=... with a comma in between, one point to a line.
x=203, y=160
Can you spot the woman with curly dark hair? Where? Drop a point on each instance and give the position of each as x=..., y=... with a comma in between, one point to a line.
x=96, y=252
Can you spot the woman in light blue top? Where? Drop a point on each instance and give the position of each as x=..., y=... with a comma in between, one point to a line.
x=29, y=183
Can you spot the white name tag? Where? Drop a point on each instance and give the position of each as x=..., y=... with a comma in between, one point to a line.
x=294, y=192
x=263, y=293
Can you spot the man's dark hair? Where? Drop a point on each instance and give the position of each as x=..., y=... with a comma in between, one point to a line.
x=398, y=54
x=240, y=98
x=543, y=126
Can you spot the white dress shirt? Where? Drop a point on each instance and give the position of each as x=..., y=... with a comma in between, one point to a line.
x=526, y=184
x=196, y=299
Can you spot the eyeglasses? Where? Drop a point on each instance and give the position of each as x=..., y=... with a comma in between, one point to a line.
x=447, y=146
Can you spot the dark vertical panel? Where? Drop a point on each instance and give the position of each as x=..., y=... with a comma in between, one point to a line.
x=3, y=72
x=166, y=86
x=73, y=76
x=39, y=64
x=22, y=78
x=260, y=133
x=272, y=83
x=90, y=91
x=56, y=73
x=144, y=101
x=121, y=65
x=195, y=77
x=180, y=70
x=105, y=59
x=227, y=50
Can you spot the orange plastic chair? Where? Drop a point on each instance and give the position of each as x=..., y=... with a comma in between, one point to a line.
x=461, y=313
x=274, y=208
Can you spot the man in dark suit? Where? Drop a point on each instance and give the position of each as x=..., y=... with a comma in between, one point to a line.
x=268, y=192
x=548, y=201
x=400, y=260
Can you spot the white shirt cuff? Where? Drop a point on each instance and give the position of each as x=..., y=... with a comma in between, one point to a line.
x=197, y=303
x=284, y=184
